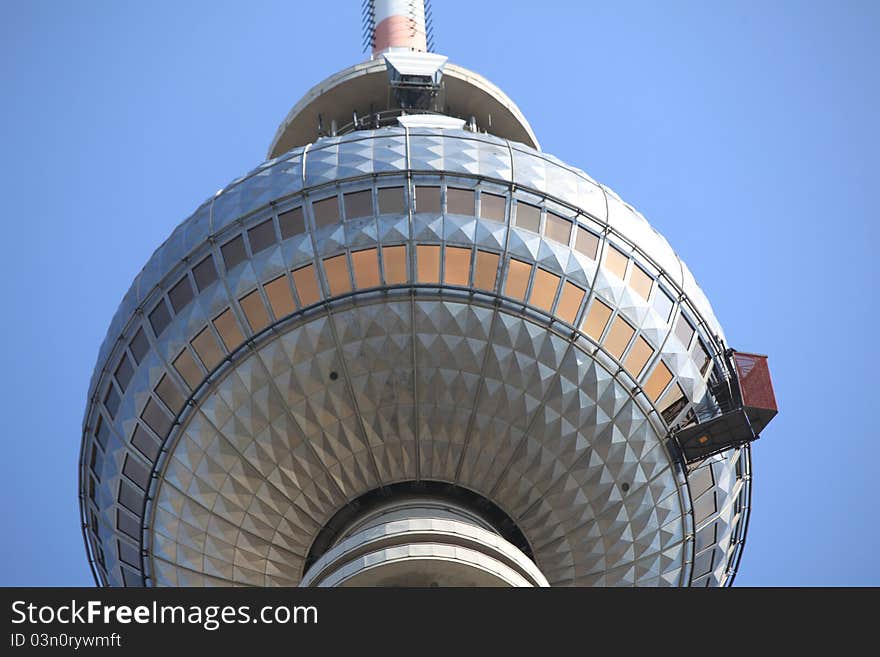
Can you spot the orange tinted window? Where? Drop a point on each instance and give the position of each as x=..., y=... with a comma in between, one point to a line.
x=208, y=349
x=428, y=264
x=528, y=216
x=641, y=283
x=336, y=269
x=394, y=258
x=186, y=366
x=596, y=320
x=659, y=379
x=544, y=290
x=306, y=285
x=618, y=337
x=517, y=279
x=255, y=311
x=638, y=356
x=615, y=261
x=280, y=297
x=586, y=243
x=458, y=266
x=228, y=330
x=569, y=302
x=486, y=270
x=366, y=268
x=557, y=228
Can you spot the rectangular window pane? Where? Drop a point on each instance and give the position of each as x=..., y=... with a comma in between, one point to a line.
x=394, y=259
x=569, y=302
x=641, y=283
x=306, y=285
x=701, y=356
x=130, y=497
x=615, y=261
x=544, y=290
x=683, y=330
x=557, y=228
x=111, y=401
x=596, y=320
x=672, y=404
x=458, y=266
x=124, y=372
x=156, y=418
x=391, y=200
x=207, y=348
x=428, y=264
x=703, y=563
x=181, y=294
x=618, y=337
x=128, y=525
x=366, y=268
x=486, y=270
x=586, y=243
x=336, y=270
x=129, y=554
x=659, y=379
x=139, y=346
x=492, y=206
x=638, y=356
x=262, y=236
x=326, y=212
x=460, y=201
x=136, y=471
x=292, y=223
x=102, y=433
x=703, y=508
x=358, y=204
x=280, y=297
x=428, y=199
x=233, y=252
x=145, y=443
x=205, y=273
x=189, y=371
x=160, y=318
x=170, y=394
x=662, y=304
x=228, y=329
x=255, y=311
x=518, y=273
x=528, y=216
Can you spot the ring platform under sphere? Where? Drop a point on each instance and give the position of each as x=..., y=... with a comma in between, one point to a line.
x=398, y=306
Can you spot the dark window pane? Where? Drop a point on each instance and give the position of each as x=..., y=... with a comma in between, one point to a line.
x=137, y=472
x=205, y=273
x=156, y=418
x=170, y=394
x=528, y=217
x=261, y=237
x=145, y=443
x=128, y=554
x=292, y=223
x=102, y=432
x=160, y=317
x=460, y=201
x=131, y=578
x=705, y=537
x=128, y=525
x=124, y=372
x=358, y=204
x=703, y=563
x=428, y=199
x=683, y=330
x=326, y=212
x=392, y=200
x=111, y=401
x=492, y=207
x=130, y=497
x=181, y=294
x=704, y=507
x=700, y=480
x=233, y=252
x=139, y=346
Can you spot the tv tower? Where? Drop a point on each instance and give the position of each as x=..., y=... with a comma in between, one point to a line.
x=413, y=349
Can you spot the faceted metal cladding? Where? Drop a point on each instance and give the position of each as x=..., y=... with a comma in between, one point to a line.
x=399, y=305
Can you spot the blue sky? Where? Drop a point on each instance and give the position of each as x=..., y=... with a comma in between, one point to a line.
x=746, y=132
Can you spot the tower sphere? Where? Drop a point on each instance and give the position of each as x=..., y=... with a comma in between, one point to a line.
x=411, y=348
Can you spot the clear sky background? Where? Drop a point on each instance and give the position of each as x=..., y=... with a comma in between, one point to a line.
x=745, y=131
